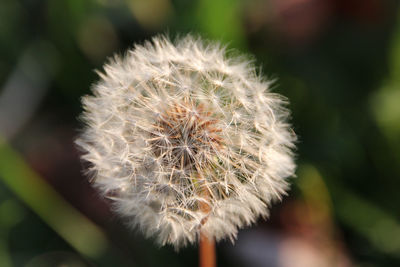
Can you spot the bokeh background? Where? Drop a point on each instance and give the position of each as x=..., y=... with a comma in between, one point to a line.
x=338, y=62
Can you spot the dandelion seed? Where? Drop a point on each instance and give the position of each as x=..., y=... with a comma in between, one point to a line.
x=183, y=138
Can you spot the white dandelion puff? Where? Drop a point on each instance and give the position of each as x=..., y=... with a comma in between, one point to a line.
x=183, y=138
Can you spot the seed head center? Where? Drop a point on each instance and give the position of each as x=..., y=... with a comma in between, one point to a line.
x=186, y=136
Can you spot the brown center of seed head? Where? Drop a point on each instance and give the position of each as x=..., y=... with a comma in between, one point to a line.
x=186, y=136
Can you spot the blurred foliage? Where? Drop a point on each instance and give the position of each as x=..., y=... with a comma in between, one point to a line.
x=73, y=227
x=338, y=65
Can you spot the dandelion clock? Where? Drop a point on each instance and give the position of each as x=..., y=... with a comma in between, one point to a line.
x=186, y=141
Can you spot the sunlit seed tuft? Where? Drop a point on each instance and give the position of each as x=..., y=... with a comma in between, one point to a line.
x=183, y=138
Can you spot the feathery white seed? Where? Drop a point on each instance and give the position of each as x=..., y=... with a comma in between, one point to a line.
x=182, y=138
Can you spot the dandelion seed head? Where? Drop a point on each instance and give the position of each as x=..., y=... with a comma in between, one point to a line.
x=183, y=138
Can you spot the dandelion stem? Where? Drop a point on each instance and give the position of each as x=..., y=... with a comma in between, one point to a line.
x=207, y=257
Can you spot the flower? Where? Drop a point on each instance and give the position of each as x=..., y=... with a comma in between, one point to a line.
x=184, y=139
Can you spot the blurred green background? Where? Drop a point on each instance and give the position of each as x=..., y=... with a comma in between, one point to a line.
x=338, y=62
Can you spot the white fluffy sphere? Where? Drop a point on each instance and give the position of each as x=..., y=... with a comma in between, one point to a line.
x=183, y=138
